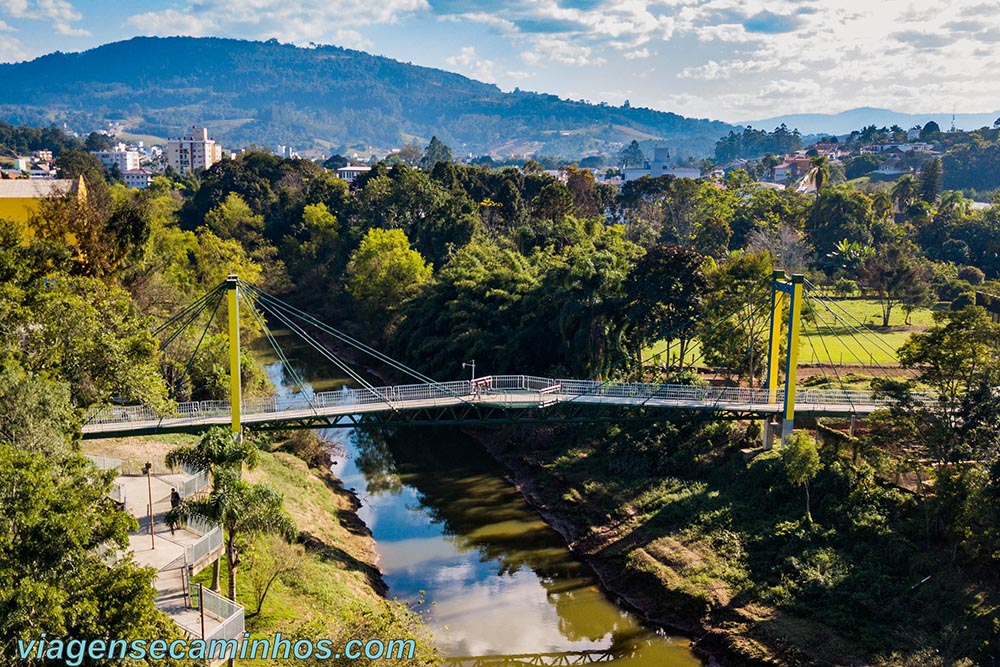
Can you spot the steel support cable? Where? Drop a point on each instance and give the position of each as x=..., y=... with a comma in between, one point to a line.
x=861, y=343
x=627, y=357
x=313, y=343
x=850, y=349
x=276, y=303
x=208, y=324
x=193, y=316
x=186, y=310
x=281, y=354
x=287, y=320
x=747, y=320
x=919, y=432
x=273, y=303
x=860, y=326
x=863, y=330
x=190, y=362
x=822, y=340
x=292, y=310
x=201, y=303
x=329, y=356
x=198, y=304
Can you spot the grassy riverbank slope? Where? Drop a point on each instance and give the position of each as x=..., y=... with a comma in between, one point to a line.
x=684, y=528
x=325, y=586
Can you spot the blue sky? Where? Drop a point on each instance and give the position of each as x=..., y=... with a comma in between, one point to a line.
x=726, y=59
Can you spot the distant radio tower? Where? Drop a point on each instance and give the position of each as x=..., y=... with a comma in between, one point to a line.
x=953, y=118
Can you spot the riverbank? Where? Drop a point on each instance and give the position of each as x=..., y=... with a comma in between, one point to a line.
x=697, y=539
x=327, y=585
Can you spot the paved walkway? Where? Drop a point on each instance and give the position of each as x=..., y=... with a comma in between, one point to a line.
x=164, y=550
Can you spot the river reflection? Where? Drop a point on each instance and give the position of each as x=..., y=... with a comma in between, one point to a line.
x=451, y=530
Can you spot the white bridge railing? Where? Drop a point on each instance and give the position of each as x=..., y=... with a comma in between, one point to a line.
x=511, y=390
x=228, y=613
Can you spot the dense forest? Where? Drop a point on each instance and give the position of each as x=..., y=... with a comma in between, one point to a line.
x=270, y=93
x=530, y=274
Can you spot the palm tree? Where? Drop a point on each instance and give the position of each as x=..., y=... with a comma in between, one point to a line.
x=219, y=448
x=882, y=204
x=820, y=171
x=241, y=508
x=219, y=451
x=904, y=192
x=954, y=202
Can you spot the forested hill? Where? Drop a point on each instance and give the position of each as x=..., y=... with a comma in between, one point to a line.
x=270, y=93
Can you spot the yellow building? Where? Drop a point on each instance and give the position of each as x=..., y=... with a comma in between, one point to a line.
x=19, y=197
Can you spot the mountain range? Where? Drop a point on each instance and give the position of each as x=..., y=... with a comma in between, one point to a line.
x=326, y=97
x=854, y=119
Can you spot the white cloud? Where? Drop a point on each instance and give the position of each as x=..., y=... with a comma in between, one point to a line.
x=468, y=63
x=352, y=39
x=561, y=50
x=172, y=22
x=297, y=22
x=17, y=9
x=60, y=13
x=11, y=49
x=637, y=54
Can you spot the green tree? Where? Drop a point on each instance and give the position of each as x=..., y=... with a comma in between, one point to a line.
x=930, y=180
x=801, y=460
x=954, y=202
x=217, y=450
x=733, y=331
x=958, y=348
x=665, y=290
x=313, y=252
x=930, y=131
x=234, y=219
x=436, y=151
x=894, y=272
x=632, y=155
x=583, y=186
x=882, y=204
x=243, y=510
x=36, y=413
x=840, y=213
x=55, y=577
x=409, y=154
x=222, y=455
x=384, y=272
x=476, y=309
x=554, y=202
x=92, y=336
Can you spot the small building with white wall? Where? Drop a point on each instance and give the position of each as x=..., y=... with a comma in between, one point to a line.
x=660, y=166
x=121, y=157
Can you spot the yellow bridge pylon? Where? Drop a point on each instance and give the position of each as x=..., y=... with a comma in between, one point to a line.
x=781, y=289
x=235, y=387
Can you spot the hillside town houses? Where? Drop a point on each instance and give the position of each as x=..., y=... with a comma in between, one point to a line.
x=136, y=164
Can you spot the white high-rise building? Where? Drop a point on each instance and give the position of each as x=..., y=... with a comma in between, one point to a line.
x=119, y=156
x=195, y=151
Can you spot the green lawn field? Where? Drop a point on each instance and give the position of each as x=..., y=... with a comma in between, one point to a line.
x=842, y=332
x=850, y=332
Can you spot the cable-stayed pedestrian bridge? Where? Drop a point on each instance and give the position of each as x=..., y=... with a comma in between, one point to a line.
x=502, y=398
x=497, y=398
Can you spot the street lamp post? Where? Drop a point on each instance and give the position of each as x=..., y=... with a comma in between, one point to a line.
x=472, y=365
x=149, y=486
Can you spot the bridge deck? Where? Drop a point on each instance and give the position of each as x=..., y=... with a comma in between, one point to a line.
x=510, y=392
